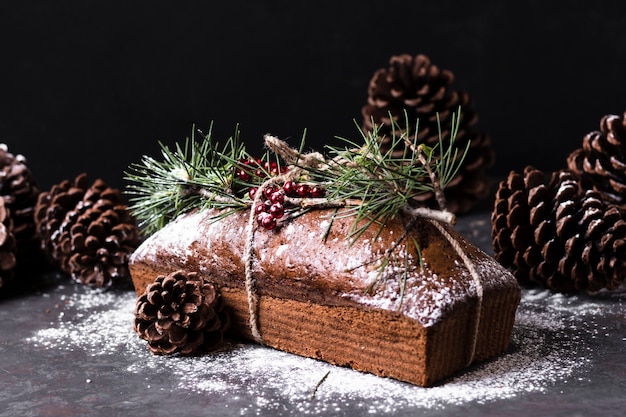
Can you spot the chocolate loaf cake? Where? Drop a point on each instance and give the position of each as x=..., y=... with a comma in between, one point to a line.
x=371, y=303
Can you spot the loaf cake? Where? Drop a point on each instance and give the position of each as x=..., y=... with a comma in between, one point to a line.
x=417, y=309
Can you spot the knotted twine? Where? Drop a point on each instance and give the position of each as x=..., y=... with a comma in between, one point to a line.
x=296, y=163
x=441, y=200
x=477, y=282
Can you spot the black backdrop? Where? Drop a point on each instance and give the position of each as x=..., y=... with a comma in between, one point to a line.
x=90, y=85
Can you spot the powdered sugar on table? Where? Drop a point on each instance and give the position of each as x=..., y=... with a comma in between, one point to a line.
x=550, y=345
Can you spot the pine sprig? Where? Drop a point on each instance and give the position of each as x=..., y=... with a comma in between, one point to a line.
x=373, y=186
x=195, y=175
x=380, y=184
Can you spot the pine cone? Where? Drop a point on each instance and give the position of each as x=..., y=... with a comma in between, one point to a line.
x=88, y=232
x=7, y=246
x=181, y=313
x=601, y=161
x=94, y=242
x=558, y=235
x=53, y=205
x=19, y=190
x=415, y=85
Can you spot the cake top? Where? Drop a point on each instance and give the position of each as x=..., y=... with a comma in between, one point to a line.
x=330, y=269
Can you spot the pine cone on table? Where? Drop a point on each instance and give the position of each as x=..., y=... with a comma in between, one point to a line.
x=601, y=161
x=19, y=190
x=7, y=246
x=557, y=234
x=87, y=231
x=181, y=313
x=415, y=85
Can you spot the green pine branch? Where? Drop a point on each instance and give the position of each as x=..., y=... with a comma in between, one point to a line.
x=372, y=184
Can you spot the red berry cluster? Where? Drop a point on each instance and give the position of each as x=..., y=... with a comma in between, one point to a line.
x=247, y=169
x=293, y=189
x=272, y=208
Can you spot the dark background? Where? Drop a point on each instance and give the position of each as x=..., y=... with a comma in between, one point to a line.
x=91, y=86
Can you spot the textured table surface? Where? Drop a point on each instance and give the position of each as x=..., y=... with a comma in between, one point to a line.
x=67, y=350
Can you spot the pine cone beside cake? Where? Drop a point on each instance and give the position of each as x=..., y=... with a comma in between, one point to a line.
x=557, y=234
x=87, y=231
x=423, y=90
x=601, y=161
x=181, y=313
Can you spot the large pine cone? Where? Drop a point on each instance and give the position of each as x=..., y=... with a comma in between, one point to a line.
x=181, y=313
x=19, y=190
x=601, y=161
x=415, y=85
x=7, y=246
x=558, y=235
x=88, y=232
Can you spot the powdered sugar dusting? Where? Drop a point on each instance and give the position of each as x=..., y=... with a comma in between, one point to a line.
x=427, y=306
x=550, y=345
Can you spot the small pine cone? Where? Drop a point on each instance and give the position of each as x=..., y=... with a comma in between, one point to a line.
x=415, y=85
x=7, y=246
x=94, y=242
x=601, y=161
x=181, y=313
x=558, y=235
x=19, y=190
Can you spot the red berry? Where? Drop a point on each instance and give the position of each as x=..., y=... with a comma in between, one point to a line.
x=244, y=176
x=260, y=208
x=268, y=191
x=302, y=190
x=252, y=192
x=317, y=192
x=277, y=210
x=266, y=220
x=277, y=197
x=290, y=188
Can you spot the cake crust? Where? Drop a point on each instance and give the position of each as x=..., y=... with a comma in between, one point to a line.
x=325, y=296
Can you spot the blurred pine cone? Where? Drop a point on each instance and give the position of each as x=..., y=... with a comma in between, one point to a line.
x=7, y=246
x=19, y=190
x=181, y=313
x=53, y=205
x=601, y=161
x=88, y=232
x=557, y=234
x=415, y=85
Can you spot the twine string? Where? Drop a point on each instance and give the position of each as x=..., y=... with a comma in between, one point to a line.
x=291, y=157
x=477, y=282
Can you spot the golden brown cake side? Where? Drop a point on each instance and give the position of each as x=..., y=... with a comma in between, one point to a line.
x=325, y=298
